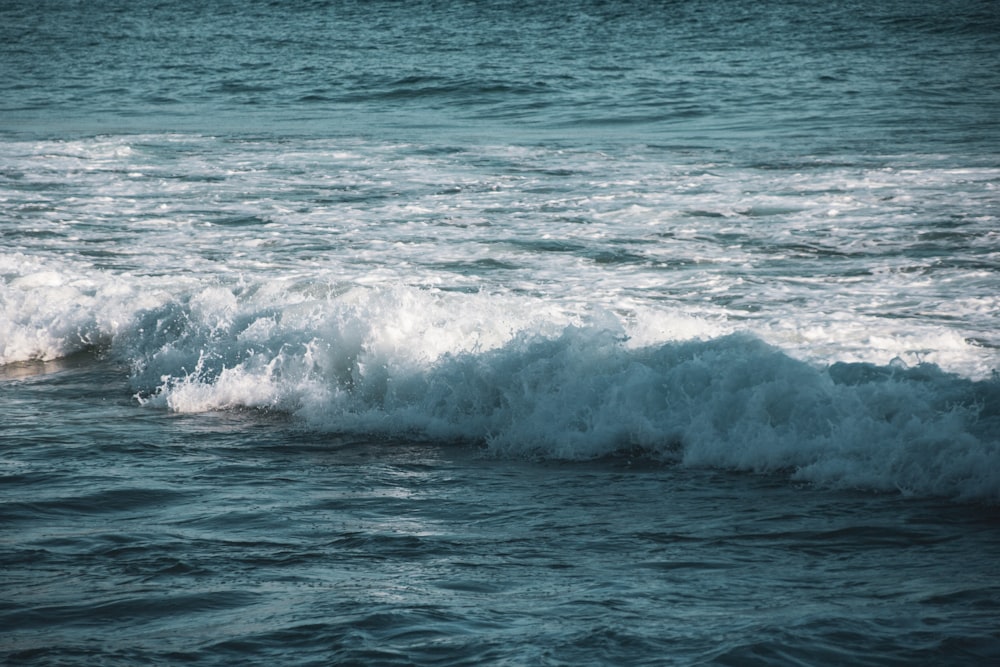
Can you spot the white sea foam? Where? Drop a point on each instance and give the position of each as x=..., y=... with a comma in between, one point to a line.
x=524, y=381
x=836, y=321
x=54, y=309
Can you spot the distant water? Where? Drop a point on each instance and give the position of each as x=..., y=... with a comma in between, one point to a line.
x=499, y=333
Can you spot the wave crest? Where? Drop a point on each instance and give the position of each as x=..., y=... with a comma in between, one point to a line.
x=406, y=363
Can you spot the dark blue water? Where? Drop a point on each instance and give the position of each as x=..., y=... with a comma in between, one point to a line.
x=797, y=77
x=239, y=537
x=536, y=333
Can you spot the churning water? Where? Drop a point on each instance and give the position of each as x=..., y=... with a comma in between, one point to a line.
x=499, y=333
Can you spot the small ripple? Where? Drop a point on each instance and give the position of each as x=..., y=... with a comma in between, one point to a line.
x=131, y=608
x=101, y=502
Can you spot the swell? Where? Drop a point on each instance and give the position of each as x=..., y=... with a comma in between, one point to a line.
x=411, y=365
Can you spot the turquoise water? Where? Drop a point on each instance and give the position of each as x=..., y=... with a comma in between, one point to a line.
x=498, y=333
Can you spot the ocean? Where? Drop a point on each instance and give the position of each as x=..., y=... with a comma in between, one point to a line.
x=499, y=333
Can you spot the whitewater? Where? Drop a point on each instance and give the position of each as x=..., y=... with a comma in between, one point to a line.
x=543, y=302
x=473, y=333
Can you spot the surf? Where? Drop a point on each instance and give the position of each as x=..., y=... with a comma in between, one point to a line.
x=416, y=365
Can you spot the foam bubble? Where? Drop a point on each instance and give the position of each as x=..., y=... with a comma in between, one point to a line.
x=53, y=309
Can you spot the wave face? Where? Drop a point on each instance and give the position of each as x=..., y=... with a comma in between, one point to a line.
x=405, y=363
x=510, y=374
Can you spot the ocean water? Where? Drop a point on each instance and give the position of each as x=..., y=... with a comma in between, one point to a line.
x=466, y=333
